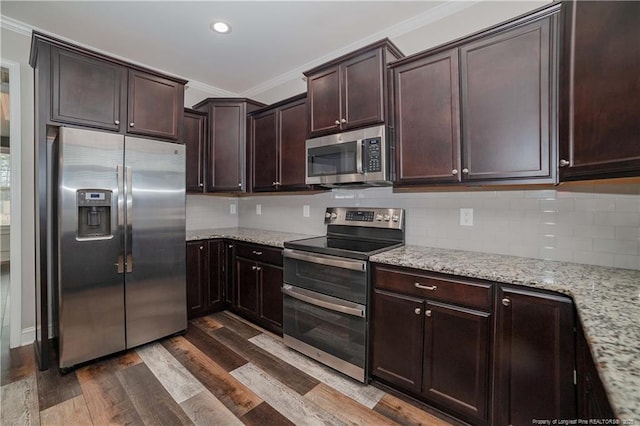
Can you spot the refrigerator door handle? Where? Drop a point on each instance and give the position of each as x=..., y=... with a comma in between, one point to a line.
x=120, y=177
x=129, y=219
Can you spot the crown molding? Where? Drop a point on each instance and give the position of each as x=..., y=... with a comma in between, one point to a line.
x=213, y=90
x=423, y=19
x=15, y=26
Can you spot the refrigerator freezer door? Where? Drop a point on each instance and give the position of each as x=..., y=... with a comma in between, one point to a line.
x=155, y=290
x=91, y=291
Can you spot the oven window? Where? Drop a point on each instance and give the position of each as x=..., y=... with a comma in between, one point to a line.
x=337, y=159
x=338, y=334
x=342, y=283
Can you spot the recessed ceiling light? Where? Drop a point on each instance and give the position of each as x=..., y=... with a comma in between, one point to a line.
x=220, y=27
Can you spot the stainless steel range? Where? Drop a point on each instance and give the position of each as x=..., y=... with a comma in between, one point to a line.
x=326, y=286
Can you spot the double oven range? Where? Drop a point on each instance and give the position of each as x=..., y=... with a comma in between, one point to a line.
x=326, y=286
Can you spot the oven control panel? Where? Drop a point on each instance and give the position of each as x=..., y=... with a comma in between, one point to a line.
x=375, y=217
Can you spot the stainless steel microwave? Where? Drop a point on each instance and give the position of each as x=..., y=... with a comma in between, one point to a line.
x=359, y=157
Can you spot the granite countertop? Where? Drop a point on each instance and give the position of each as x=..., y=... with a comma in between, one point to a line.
x=250, y=235
x=607, y=301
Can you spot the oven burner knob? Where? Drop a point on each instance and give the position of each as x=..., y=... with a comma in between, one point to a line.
x=327, y=215
x=395, y=218
x=379, y=217
x=386, y=218
x=334, y=216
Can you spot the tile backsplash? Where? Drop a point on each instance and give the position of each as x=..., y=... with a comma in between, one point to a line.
x=595, y=224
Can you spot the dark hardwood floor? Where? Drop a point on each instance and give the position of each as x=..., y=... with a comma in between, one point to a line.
x=223, y=371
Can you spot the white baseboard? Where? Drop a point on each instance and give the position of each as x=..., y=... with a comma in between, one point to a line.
x=28, y=335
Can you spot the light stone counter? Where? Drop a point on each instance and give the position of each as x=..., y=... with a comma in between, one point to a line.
x=607, y=301
x=257, y=236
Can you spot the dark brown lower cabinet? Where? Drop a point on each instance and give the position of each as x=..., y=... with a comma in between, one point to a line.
x=436, y=351
x=258, y=285
x=534, y=357
x=206, y=276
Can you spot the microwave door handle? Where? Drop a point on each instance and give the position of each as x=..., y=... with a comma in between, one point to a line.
x=359, y=157
x=318, y=300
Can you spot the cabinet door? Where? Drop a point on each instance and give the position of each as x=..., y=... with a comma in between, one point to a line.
x=428, y=120
x=264, y=151
x=397, y=339
x=323, y=91
x=216, y=274
x=155, y=105
x=600, y=123
x=246, y=287
x=292, y=129
x=507, y=81
x=194, y=136
x=87, y=91
x=226, y=145
x=271, y=296
x=535, y=358
x=456, y=359
x=363, y=88
x=197, y=278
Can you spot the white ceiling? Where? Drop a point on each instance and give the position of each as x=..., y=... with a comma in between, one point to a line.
x=271, y=42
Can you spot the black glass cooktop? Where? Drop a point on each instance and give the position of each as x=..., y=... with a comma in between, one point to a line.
x=345, y=247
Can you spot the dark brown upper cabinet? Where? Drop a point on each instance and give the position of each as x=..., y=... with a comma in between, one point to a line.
x=350, y=91
x=278, y=135
x=91, y=90
x=481, y=109
x=600, y=124
x=194, y=135
x=155, y=105
x=87, y=91
x=226, y=152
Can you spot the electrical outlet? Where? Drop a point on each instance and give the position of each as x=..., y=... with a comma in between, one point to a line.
x=233, y=208
x=306, y=211
x=258, y=209
x=466, y=217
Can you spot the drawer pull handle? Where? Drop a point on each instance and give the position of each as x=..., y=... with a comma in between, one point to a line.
x=258, y=253
x=506, y=302
x=425, y=287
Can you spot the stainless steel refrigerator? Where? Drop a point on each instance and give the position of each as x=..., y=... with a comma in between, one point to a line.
x=120, y=243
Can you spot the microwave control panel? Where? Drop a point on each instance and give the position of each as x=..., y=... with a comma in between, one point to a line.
x=373, y=154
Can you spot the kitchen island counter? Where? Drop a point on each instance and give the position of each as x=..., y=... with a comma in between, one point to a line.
x=607, y=301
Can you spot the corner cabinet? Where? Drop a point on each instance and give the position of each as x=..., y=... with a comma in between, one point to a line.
x=350, y=91
x=194, y=135
x=534, y=357
x=431, y=337
x=278, y=135
x=206, y=276
x=91, y=90
x=481, y=109
x=599, y=127
x=225, y=162
x=258, y=284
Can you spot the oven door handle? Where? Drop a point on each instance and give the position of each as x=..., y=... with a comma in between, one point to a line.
x=355, y=265
x=326, y=302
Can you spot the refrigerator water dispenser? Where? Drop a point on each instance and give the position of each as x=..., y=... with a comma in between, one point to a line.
x=94, y=214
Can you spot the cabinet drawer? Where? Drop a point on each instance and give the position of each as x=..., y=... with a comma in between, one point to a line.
x=259, y=253
x=433, y=287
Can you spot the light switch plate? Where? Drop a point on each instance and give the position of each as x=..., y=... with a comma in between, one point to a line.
x=233, y=208
x=466, y=217
x=258, y=209
x=306, y=211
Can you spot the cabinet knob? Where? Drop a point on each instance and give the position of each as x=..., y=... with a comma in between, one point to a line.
x=343, y=120
x=454, y=171
x=230, y=246
x=201, y=247
x=417, y=311
x=337, y=122
x=256, y=268
x=428, y=312
x=564, y=163
x=239, y=184
x=201, y=185
x=257, y=253
x=116, y=122
x=506, y=302
x=131, y=124
x=465, y=170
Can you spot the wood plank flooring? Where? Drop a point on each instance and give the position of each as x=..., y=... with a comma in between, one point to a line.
x=223, y=371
